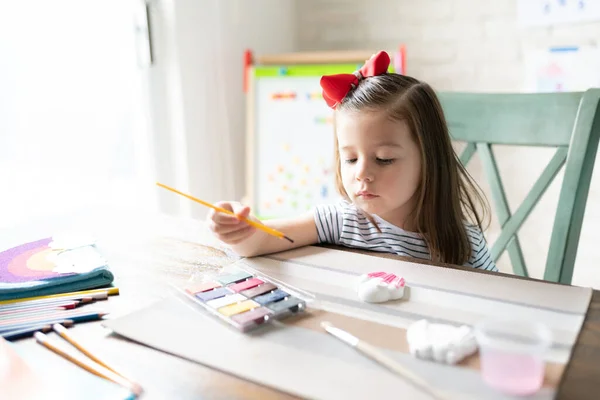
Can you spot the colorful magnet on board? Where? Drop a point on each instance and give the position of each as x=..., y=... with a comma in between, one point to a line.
x=225, y=301
x=233, y=278
x=238, y=308
x=249, y=284
x=213, y=294
x=257, y=291
x=202, y=287
x=291, y=304
x=255, y=316
x=271, y=297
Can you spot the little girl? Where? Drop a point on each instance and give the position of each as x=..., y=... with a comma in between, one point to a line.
x=405, y=190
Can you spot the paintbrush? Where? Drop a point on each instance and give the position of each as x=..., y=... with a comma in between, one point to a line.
x=255, y=224
x=377, y=355
x=87, y=364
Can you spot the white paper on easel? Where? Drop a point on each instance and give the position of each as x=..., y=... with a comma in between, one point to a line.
x=562, y=69
x=555, y=12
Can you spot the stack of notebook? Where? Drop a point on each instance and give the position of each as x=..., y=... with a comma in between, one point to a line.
x=51, y=266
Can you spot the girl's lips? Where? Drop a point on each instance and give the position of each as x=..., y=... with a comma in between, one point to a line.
x=366, y=195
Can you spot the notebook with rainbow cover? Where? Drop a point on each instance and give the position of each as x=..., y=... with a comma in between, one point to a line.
x=51, y=266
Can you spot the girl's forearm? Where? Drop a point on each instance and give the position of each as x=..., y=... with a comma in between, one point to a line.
x=301, y=229
x=257, y=244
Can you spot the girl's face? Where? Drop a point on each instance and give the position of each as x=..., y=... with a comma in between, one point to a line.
x=380, y=164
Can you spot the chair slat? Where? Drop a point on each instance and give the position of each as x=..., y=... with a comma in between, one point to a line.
x=527, y=119
x=502, y=210
x=539, y=188
x=467, y=153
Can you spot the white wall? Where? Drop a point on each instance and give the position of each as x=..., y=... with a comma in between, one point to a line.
x=467, y=45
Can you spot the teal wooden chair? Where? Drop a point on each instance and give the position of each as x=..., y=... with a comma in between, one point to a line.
x=570, y=122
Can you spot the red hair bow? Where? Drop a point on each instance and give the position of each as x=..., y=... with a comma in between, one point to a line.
x=336, y=87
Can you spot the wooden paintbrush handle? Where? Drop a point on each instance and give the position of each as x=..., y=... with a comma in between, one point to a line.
x=396, y=367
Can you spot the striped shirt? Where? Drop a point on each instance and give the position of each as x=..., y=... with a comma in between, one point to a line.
x=343, y=224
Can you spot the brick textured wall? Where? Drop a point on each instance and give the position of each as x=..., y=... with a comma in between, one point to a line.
x=466, y=45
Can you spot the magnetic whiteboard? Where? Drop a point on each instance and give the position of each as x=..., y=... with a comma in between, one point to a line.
x=293, y=147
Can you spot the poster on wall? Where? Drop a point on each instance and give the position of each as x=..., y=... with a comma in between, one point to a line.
x=562, y=69
x=555, y=12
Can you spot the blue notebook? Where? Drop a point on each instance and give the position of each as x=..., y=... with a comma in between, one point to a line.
x=51, y=266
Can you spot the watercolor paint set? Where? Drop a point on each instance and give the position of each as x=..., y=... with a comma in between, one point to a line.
x=245, y=299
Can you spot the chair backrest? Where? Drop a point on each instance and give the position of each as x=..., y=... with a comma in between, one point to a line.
x=568, y=121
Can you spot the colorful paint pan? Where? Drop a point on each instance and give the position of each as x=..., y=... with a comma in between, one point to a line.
x=255, y=316
x=274, y=296
x=257, y=291
x=202, y=287
x=226, y=300
x=233, y=278
x=213, y=294
x=249, y=284
x=291, y=304
x=244, y=300
x=238, y=308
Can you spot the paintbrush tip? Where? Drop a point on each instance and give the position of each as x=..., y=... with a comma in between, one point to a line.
x=326, y=324
x=290, y=240
x=137, y=389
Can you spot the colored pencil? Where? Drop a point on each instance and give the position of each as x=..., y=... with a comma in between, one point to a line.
x=375, y=354
x=90, y=316
x=32, y=313
x=21, y=333
x=86, y=299
x=39, y=306
x=110, y=291
x=255, y=224
x=36, y=310
x=44, y=316
x=49, y=302
x=86, y=364
x=64, y=333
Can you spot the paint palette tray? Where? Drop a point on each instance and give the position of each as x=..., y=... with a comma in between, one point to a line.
x=244, y=299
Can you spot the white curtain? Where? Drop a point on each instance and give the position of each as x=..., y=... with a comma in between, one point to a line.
x=198, y=104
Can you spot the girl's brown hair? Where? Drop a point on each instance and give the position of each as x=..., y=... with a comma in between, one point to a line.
x=447, y=198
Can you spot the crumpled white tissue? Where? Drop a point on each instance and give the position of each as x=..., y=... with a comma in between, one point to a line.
x=379, y=287
x=68, y=241
x=440, y=342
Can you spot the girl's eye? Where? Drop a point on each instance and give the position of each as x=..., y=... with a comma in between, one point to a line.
x=350, y=161
x=384, y=161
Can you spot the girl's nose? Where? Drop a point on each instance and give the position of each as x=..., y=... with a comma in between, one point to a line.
x=364, y=173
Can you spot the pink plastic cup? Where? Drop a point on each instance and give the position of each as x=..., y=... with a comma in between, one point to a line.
x=512, y=355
